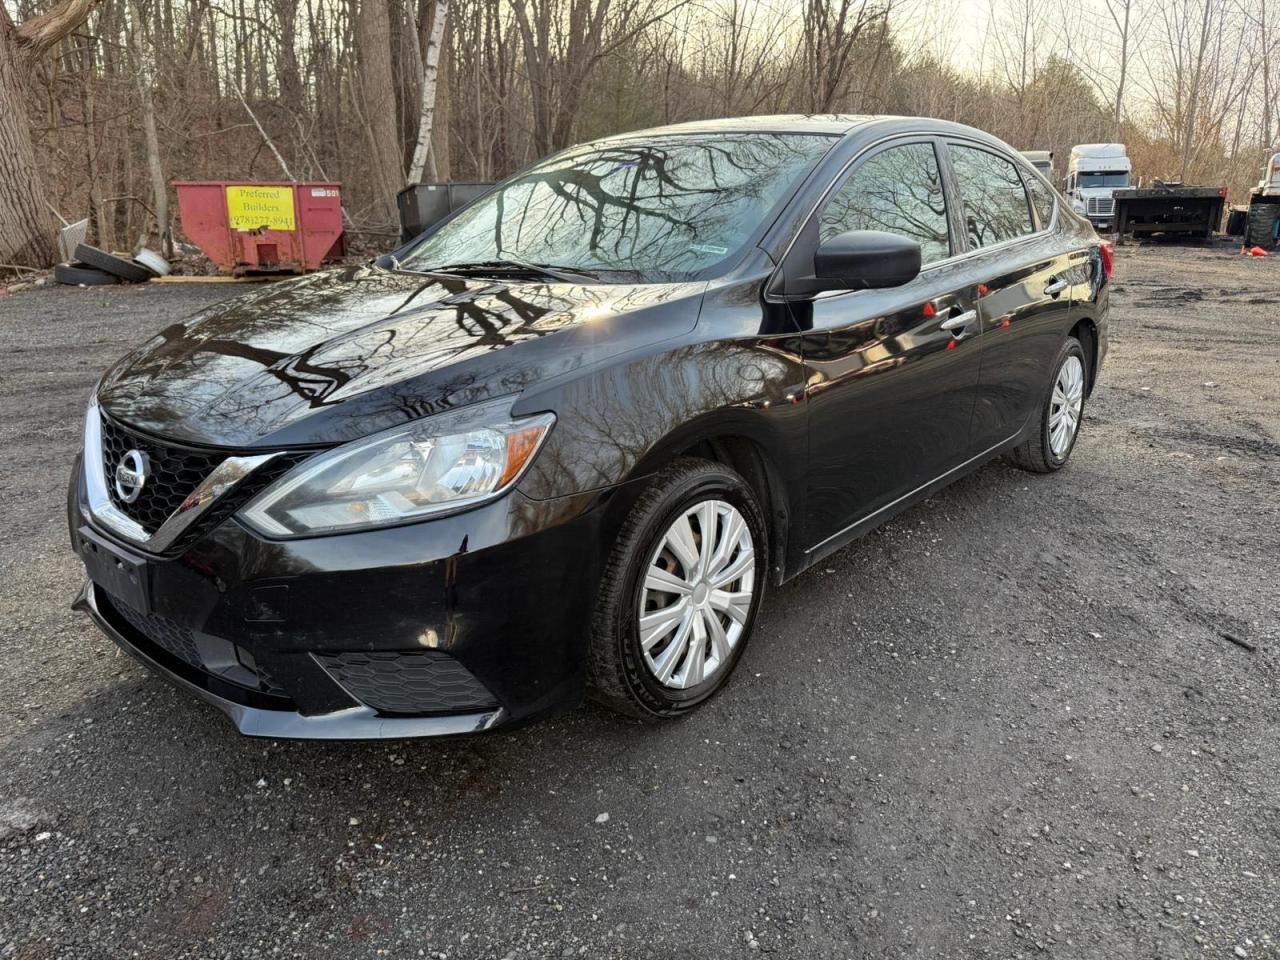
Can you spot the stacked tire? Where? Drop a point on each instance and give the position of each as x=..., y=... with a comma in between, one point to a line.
x=97, y=268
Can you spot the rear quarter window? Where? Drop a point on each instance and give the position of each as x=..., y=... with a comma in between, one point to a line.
x=993, y=200
x=1042, y=200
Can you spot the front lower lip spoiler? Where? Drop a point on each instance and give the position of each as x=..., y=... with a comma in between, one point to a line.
x=354, y=723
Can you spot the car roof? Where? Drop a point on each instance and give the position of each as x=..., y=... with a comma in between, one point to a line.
x=830, y=124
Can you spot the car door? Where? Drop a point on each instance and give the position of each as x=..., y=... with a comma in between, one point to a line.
x=1023, y=296
x=892, y=372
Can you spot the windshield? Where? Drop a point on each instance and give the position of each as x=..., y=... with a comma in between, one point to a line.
x=663, y=208
x=1105, y=178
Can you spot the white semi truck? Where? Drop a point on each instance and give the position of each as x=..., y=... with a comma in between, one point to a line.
x=1094, y=172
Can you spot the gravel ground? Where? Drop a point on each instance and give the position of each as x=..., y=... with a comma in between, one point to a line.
x=1008, y=724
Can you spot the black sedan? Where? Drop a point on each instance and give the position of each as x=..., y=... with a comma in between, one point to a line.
x=564, y=442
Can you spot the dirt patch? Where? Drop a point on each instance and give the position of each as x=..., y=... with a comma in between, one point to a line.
x=1007, y=724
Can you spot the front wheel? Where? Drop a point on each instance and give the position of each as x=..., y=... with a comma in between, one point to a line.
x=1049, y=447
x=679, y=596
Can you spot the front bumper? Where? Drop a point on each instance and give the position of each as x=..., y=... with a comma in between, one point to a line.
x=351, y=723
x=453, y=626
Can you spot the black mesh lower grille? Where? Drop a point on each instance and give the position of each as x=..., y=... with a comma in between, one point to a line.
x=213, y=655
x=171, y=637
x=416, y=682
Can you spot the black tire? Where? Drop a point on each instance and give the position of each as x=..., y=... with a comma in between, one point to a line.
x=1260, y=228
x=81, y=274
x=617, y=675
x=1036, y=453
x=124, y=269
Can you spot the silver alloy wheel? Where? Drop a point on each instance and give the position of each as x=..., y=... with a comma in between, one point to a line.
x=697, y=594
x=1065, y=406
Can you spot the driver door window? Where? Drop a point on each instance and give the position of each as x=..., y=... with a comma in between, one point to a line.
x=898, y=190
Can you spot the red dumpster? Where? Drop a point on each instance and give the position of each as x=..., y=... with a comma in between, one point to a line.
x=263, y=227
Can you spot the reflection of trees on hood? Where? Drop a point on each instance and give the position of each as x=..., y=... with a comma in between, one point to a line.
x=393, y=329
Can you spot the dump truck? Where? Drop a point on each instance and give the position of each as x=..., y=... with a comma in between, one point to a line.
x=1262, y=223
x=1094, y=172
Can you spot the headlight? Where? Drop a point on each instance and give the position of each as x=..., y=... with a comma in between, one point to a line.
x=405, y=474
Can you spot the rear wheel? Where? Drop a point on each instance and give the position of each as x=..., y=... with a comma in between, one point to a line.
x=1260, y=228
x=679, y=596
x=1049, y=447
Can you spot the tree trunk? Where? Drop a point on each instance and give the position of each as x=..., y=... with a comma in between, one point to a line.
x=27, y=226
x=378, y=104
x=439, y=160
x=430, y=68
x=155, y=172
x=291, y=94
x=26, y=221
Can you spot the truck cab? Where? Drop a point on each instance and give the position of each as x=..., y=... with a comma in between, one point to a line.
x=1094, y=172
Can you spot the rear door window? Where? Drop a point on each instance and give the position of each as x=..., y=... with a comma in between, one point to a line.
x=898, y=190
x=993, y=201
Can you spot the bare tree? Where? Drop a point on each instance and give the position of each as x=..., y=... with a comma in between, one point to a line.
x=833, y=31
x=1195, y=76
x=563, y=43
x=26, y=227
x=377, y=103
x=341, y=89
x=426, y=115
x=1121, y=12
x=143, y=72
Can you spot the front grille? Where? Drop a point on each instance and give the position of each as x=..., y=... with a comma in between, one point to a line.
x=205, y=652
x=175, y=472
x=416, y=682
x=1101, y=206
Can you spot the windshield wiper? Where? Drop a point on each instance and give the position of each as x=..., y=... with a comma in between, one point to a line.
x=512, y=265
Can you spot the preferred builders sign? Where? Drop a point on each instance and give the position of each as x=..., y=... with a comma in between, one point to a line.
x=249, y=208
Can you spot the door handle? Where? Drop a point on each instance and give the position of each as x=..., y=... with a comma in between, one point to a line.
x=958, y=325
x=1055, y=287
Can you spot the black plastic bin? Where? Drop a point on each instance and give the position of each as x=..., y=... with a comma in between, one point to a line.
x=424, y=204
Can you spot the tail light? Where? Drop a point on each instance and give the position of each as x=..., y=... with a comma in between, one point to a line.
x=1108, y=251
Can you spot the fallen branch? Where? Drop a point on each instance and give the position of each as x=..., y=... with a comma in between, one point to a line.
x=1238, y=641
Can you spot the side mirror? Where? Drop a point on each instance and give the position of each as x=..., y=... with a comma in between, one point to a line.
x=866, y=259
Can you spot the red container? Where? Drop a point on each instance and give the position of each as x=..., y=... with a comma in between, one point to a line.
x=263, y=227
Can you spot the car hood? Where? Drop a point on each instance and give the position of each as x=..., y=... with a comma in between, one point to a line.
x=335, y=356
